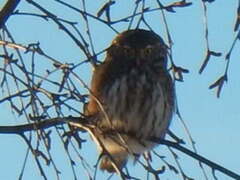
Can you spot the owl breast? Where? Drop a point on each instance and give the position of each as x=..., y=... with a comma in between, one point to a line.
x=138, y=106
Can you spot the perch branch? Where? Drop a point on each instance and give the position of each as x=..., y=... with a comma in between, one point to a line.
x=19, y=129
x=200, y=158
x=85, y=124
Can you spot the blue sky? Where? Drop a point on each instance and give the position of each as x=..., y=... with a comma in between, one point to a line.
x=213, y=123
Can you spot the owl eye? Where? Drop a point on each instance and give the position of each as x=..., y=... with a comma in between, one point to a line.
x=148, y=50
x=128, y=51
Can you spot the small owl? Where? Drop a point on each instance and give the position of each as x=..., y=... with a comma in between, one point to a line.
x=132, y=97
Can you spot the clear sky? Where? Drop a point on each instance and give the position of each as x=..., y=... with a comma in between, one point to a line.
x=213, y=123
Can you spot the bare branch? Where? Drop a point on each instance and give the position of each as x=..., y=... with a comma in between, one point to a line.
x=199, y=158
x=7, y=11
x=47, y=123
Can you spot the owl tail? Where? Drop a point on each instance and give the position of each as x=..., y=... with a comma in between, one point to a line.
x=120, y=160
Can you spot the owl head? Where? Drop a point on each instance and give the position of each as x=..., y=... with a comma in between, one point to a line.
x=141, y=46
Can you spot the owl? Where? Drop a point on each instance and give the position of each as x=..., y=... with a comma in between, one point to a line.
x=132, y=98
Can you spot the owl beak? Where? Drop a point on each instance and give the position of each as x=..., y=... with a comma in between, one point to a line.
x=139, y=61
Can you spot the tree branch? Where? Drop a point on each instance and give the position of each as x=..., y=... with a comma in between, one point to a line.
x=7, y=11
x=198, y=157
x=19, y=129
x=85, y=124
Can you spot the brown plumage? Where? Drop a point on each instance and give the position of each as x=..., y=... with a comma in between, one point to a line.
x=132, y=97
